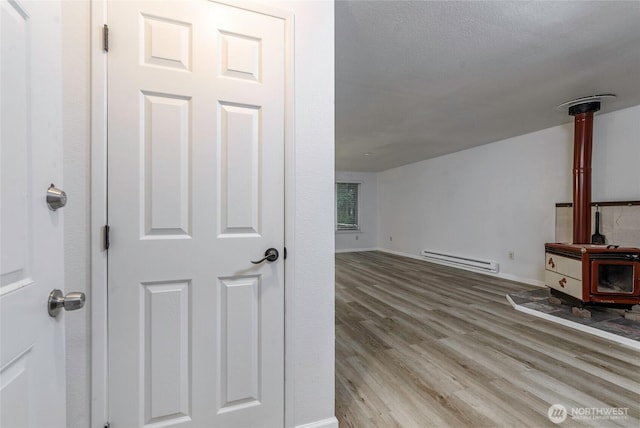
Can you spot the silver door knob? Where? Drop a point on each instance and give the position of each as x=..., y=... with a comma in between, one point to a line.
x=71, y=302
x=56, y=198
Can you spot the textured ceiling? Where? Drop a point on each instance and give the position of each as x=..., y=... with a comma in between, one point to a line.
x=420, y=79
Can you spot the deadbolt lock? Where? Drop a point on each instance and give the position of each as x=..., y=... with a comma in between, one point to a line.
x=56, y=198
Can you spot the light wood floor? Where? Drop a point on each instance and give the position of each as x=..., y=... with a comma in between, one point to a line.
x=421, y=345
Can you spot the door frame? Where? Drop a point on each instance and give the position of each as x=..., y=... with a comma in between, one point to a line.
x=98, y=288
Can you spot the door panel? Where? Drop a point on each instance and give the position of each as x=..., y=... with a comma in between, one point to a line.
x=167, y=312
x=167, y=164
x=196, y=192
x=32, y=359
x=239, y=343
x=239, y=173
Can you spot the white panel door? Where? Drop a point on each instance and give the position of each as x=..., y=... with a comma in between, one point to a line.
x=32, y=364
x=196, y=192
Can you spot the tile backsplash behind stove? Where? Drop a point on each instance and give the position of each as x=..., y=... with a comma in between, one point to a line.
x=620, y=224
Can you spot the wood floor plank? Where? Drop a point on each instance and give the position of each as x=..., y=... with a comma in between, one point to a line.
x=423, y=345
x=599, y=386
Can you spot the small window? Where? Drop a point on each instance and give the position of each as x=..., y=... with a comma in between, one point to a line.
x=347, y=206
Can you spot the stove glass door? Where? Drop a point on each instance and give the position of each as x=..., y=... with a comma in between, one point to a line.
x=612, y=277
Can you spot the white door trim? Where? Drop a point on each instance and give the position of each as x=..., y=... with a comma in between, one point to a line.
x=98, y=174
x=99, y=336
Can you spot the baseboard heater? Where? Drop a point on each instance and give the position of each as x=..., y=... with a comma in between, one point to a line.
x=461, y=262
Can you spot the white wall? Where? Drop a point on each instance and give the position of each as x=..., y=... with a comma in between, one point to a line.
x=367, y=237
x=310, y=328
x=487, y=201
x=616, y=156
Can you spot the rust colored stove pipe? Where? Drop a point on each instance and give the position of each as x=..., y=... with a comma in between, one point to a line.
x=583, y=137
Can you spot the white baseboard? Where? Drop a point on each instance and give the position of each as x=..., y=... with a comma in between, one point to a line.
x=400, y=253
x=516, y=278
x=324, y=423
x=510, y=277
x=354, y=250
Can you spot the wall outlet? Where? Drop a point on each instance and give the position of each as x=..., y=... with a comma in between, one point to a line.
x=512, y=255
x=391, y=238
x=356, y=237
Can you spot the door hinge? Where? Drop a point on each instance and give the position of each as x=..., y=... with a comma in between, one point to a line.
x=105, y=38
x=106, y=237
x=285, y=253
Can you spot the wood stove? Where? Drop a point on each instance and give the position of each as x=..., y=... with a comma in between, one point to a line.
x=590, y=273
x=594, y=273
